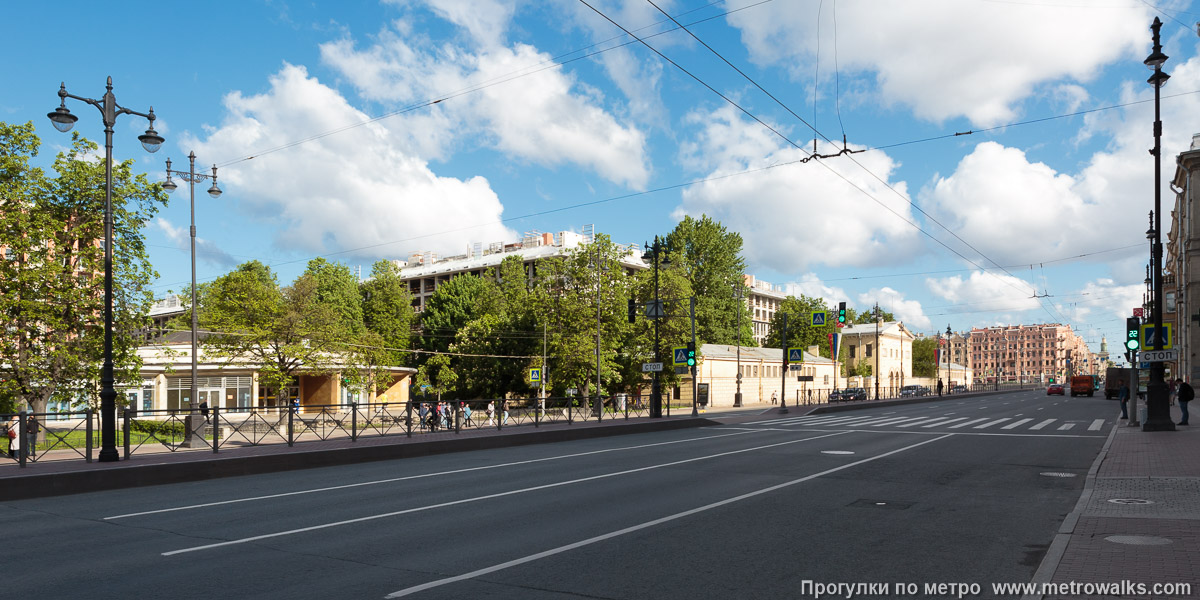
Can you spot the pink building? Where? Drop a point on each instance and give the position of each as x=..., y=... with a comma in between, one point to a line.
x=1029, y=353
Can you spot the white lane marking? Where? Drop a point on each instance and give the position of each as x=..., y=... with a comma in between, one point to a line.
x=422, y=476
x=641, y=526
x=490, y=496
x=1096, y=425
x=873, y=422
x=1066, y=426
x=1016, y=424
x=946, y=423
x=990, y=423
x=935, y=421
x=965, y=423
x=1043, y=423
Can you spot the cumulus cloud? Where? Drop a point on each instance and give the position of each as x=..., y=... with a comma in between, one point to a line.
x=984, y=292
x=958, y=68
x=206, y=250
x=828, y=212
x=893, y=301
x=359, y=190
x=547, y=117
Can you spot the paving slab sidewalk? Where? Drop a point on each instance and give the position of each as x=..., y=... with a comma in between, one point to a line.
x=1137, y=523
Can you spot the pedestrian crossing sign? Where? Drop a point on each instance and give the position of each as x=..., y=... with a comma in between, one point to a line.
x=795, y=355
x=535, y=375
x=680, y=353
x=1164, y=341
x=818, y=319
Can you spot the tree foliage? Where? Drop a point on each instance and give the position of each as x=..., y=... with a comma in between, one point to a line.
x=800, y=332
x=923, y=357
x=711, y=261
x=52, y=233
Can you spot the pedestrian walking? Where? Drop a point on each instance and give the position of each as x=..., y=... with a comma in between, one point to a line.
x=491, y=412
x=774, y=397
x=204, y=410
x=14, y=437
x=940, y=386
x=32, y=428
x=504, y=409
x=1123, y=398
x=466, y=409
x=1186, y=393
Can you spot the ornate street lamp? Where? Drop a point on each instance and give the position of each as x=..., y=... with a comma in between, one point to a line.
x=656, y=252
x=63, y=121
x=1158, y=412
x=191, y=176
x=948, y=334
x=741, y=308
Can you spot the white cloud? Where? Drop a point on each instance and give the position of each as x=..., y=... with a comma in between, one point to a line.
x=937, y=56
x=206, y=250
x=352, y=190
x=829, y=212
x=546, y=117
x=984, y=292
x=890, y=300
x=485, y=20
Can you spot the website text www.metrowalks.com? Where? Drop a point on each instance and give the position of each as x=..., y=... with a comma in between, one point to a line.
x=817, y=589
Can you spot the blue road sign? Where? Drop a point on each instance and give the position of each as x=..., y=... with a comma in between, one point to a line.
x=795, y=355
x=1160, y=342
x=680, y=353
x=535, y=375
x=818, y=319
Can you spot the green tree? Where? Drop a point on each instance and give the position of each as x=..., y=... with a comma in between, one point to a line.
x=52, y=233
x=869, y=315
x=801, y=334
x=338, y=288
x=712, y=262
x=675, y=327
x=923, y=357
x=281, y=331
x=447, y=313
x=387, y=311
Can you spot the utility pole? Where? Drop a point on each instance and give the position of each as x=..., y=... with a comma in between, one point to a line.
x=599, y=398
x=876, y=350
x=694, y=367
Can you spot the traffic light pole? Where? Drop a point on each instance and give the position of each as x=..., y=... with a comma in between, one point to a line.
x=783, y=341
x=694, y=366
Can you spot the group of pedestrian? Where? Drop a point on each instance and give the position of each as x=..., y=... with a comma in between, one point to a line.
x=12, y=430
x=1181, y=391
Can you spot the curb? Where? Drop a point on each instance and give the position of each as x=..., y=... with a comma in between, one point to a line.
x=138, y=475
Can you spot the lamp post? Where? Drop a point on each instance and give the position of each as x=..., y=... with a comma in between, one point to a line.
x=63, y=121
x=1158, y=413
x=191, y=176
x=737, y=397
x=949, y=333
x=653, y=252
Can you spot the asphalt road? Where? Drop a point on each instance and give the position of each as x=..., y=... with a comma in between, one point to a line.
x=966, y=490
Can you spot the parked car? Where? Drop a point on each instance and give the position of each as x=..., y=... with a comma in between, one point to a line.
x=909, y=391
x=853, y=394
x=1055, y=388
x=958, y=389
x=925, y=391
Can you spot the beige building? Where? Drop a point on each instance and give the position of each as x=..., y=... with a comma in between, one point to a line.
x=762, y=375
x=764, y=298
x=166, y=383
x=887, y=347
x=1181, y=271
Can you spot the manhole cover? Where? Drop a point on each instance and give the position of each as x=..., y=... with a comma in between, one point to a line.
x=1054, y=474
x=890, y=504
x=836, y=452
x=1130, y=501
x=1138, y=540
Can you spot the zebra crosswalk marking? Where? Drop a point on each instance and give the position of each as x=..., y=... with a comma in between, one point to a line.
x=922, y=422
x=945, y=423
x=1043, y=424
x=994, y=422
x=1066, y=426
x=1016, y=424
x=1096, y=425
x=965, y=423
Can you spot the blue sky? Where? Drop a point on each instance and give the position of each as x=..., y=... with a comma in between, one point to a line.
x=552, y=118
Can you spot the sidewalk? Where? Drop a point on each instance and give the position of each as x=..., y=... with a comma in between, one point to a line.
x=155, y=467
x=1138, y=519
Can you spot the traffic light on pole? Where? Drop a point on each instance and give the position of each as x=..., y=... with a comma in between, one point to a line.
x=632, y=310
x=841, y=312
x=1132, y=334
x=691, y=354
